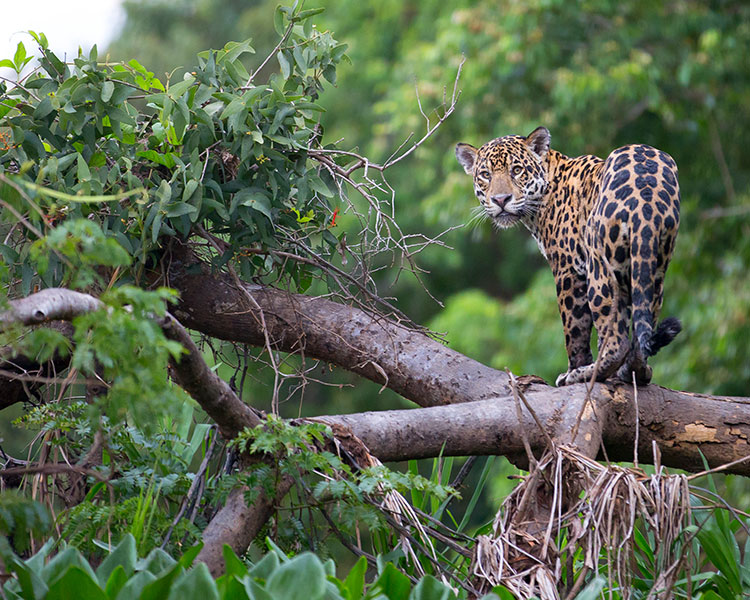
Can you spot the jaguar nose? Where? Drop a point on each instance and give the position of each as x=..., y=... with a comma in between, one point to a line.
x=501, y=199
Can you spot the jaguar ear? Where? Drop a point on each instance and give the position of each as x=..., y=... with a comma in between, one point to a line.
x=538, y=142
x=467, y=156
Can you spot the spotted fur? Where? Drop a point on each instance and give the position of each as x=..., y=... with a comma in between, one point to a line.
x=607, y=229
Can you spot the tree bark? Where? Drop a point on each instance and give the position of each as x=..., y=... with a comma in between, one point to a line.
x=373, y=346
x=683, y=426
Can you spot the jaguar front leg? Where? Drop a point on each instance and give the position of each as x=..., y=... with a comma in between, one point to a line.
x=576, y=320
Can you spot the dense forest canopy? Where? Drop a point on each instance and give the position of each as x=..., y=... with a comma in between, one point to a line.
x=244, y=154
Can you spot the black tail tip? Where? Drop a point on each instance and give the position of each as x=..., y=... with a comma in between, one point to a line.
x=666, y=331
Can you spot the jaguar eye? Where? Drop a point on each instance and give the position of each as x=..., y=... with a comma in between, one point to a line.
x=516, y=170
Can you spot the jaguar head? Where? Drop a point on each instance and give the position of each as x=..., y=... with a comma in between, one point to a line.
x=510, y=178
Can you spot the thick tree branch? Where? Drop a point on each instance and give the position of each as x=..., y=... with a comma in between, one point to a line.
x=208, y=389
x=49, y=305
x=430, y=374
x=410, y=363
x=237, y=524
x=683, y=425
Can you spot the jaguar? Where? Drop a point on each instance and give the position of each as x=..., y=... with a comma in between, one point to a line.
x=607, y=228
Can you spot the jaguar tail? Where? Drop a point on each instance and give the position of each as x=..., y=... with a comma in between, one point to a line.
x=666, y=331
x=646, y=286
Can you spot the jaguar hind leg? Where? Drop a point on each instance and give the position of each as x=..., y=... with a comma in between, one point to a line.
x=611, y=356
x=611, y=316
x=635, y=362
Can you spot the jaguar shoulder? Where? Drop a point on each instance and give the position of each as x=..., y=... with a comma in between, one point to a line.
x=607, y=227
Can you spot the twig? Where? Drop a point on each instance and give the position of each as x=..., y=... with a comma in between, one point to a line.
x=19, y=85
x=720, y=468
x=193, y=486
x=637, y=422
x=463, y=472
x=533, y=414
x=41, y=379
x=519, y=415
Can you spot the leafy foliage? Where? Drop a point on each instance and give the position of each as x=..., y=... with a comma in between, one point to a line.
x=214, y=148
x=299, y=448
x=123, y=575
x=21, y=518
x=148, y=475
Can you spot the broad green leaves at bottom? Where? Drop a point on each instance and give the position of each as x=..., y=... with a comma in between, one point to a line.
x=302, y=578
x=122, y=576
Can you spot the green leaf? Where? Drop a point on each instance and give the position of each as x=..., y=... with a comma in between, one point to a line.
x=160, y=588
x=74, y=585
x=592, y=590
x=189, y=555
x=178, y=89
x=189, y=190
x=284, y=64
x=316, y=183
x=116, y=581
x=278, y=20
x=265, y=566
x=302, y=578
x=196, y=584
x=32, y=585
x=430, y=588
x=236, y=49
x=235, y=106
x=20, y=56
x=254, y=591
x=156, y=562
x=44, y=108
x=255, y=199
x=123, y=555
x=393, y=583
x=306, y=14
x=181, y=208
x=156, y=228
x=499, y=591
x=37, y=561
x=83, y=173
x=67, y=559
x=232, y=563
x=107, y=89
x=720, y=553
x=166, y=159
x=135, y=585
x=354, y=584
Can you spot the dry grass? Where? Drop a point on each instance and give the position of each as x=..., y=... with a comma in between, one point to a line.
x=573, y=511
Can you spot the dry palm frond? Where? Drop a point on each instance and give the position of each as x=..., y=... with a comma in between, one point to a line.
x=571, y=500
